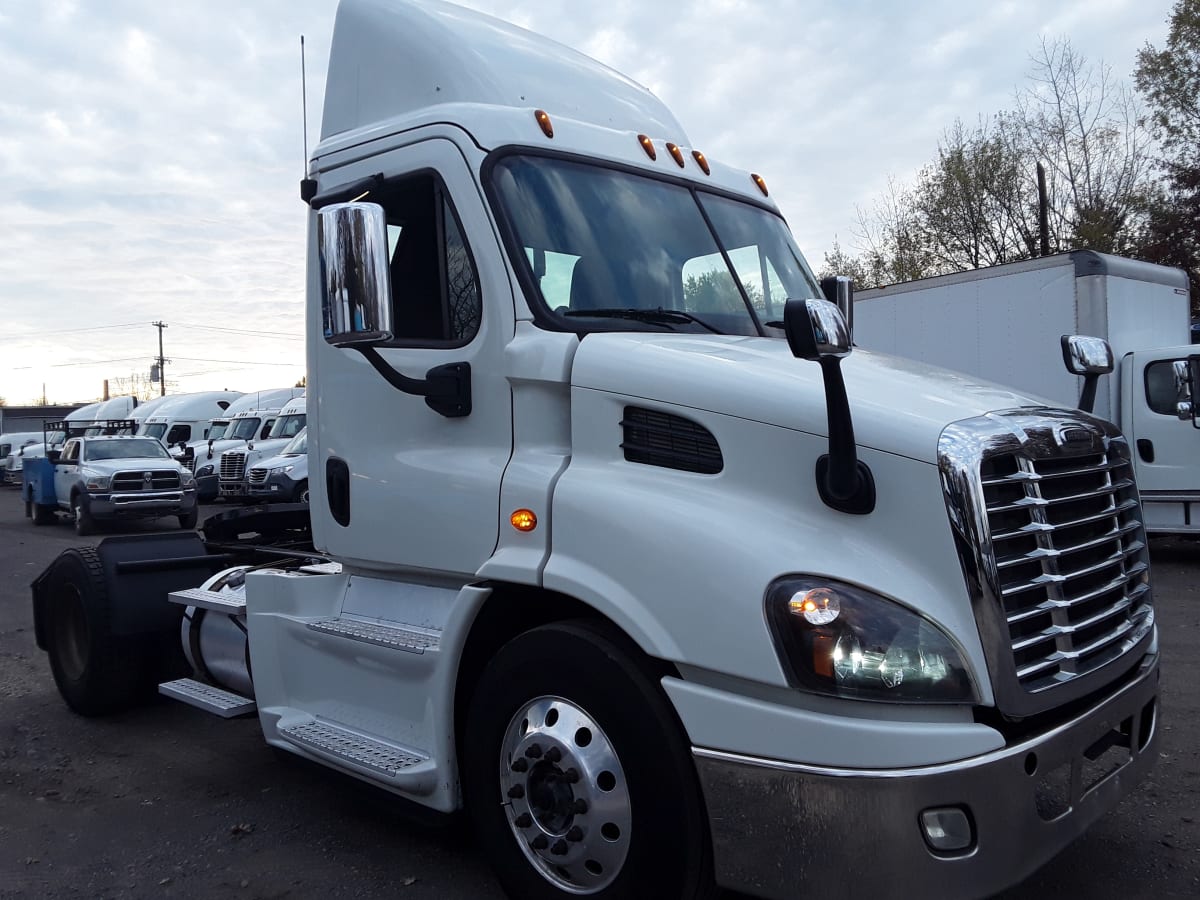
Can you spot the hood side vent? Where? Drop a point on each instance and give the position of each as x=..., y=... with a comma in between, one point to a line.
x=673, y=442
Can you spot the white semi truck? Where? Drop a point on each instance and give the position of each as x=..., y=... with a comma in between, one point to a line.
x=1005, y=324
x=664, y=587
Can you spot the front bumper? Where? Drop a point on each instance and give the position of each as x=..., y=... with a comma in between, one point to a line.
x=142, y=503
x=277, y=485
x=785, y=830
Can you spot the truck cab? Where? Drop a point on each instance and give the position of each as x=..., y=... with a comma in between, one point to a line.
x=621, y=548
x=186, y=417
x=237, y=462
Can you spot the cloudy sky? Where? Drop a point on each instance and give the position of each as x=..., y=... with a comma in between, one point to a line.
x=150, y=152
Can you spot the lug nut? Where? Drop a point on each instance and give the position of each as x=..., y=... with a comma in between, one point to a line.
x=517, y=791
x=520, y=764
x=575, y=835
x=572, y=775
x=560, y=848
x=540, y=842
x=580, y=807
x=533, y=751
x=524, y=820
x=554, y=754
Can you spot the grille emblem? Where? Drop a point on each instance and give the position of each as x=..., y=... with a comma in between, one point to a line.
x=148, y=478
x=1074, y=437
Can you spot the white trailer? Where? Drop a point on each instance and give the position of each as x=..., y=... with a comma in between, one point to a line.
x=660, y=600
x=1005, y=324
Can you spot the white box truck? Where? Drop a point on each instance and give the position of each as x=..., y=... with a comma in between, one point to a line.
x=1004, y=324
x=660, y=600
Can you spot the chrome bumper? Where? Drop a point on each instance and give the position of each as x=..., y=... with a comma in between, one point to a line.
x=783, y=830
x=161, y=503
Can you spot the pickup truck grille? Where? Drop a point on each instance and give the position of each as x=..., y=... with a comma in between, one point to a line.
x=233, y=465
x=1052, y=543
x=257, y=475
x=137, y=481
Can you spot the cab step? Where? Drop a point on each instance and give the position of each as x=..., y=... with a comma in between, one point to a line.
x=230, y=604
x=350, y=747
x=394, y=637
x=215, y=700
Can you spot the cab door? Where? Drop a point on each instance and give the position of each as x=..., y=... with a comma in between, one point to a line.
x=66, y=470
x=394, y=482
x=1166, y=450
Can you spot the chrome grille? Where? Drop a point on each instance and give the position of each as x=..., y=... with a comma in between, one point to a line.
x=233, y=465
x=257, y=475
x=1050, y=534
x=137, y=481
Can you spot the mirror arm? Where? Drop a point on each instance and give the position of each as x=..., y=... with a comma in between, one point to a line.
x=844, y=482
x=446, y=388
x=1087, y=397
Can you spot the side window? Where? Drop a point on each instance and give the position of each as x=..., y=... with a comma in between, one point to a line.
x=179, y=433
x=266, y=429
x=435, y=288
x=71, y=452
x=1161, y=394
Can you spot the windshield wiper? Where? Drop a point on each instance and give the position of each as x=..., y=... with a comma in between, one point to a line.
x=658, y=316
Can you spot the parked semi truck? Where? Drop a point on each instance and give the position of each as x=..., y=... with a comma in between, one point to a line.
x=1005, y=324
x=664, y=589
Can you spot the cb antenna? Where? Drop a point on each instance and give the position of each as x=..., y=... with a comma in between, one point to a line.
x=308, y=186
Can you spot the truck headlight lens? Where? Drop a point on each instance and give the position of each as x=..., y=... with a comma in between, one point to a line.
x=837, y=639
x=186, y=478
x=96, y=481
x=204, y=470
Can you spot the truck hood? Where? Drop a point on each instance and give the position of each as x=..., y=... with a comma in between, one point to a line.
x=132, y=464
x=275, y=462
x=899, y=406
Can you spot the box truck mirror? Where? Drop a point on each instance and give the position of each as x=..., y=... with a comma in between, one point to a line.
x=816, y=331
x=1090, y=357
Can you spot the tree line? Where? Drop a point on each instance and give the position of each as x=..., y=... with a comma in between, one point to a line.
x=1119, y=172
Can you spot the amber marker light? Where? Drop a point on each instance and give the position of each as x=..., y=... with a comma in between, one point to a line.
x=648, y=146
x=544, y=120
x=523, y=520
x=701, y=161
x=676, y=154
x=762, y=185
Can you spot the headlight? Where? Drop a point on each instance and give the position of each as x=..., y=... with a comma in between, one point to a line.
x=833, y=638
x=204, y=470
x=185, y=478
x=96, y=481
x=286, y=469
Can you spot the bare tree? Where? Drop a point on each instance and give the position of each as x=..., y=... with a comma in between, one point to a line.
x=138, y=384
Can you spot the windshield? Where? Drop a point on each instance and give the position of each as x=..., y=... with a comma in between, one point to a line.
x=157, y=430
x=244, y=429
x=288, y=426
x=609, y=245
x=138, y=448
x=298, y=446
x=218, y=429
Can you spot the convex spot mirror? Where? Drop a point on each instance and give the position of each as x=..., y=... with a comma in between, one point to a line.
x=356, y=294
x=1085, y=355
x=815, y=329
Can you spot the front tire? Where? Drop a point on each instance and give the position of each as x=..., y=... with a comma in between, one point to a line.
x=577, y=776
x=84, y=523
x=188, y=520
x=302, y=492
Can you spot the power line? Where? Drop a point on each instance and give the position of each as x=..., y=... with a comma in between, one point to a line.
x=97, y=362
x=23, y=334
x=280, y=334
x=235, y=361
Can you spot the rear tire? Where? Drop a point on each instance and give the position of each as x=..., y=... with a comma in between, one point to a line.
x=97, y=672
x=576, y=773
x=43, y=515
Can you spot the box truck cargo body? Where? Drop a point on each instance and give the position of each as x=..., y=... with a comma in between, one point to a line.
x=1005, y=324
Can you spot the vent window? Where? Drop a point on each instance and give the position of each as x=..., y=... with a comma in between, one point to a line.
x=661, y=439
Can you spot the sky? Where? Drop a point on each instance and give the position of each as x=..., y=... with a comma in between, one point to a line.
x=150, y=152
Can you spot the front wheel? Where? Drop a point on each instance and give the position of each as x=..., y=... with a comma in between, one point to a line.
x=577, y=777
x=84, y=523
x=302, y=491
x=189, y=519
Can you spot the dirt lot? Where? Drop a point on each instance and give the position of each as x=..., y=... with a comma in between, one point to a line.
x=168, y=802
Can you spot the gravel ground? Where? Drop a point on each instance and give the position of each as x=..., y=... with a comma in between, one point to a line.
x=168, y=802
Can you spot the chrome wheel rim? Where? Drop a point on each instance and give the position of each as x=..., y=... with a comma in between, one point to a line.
x=565, y=795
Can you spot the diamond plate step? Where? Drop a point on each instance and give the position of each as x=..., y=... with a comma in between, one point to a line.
x=392, y=636
x=330, y=740
x=229, y=604
x=225, y=704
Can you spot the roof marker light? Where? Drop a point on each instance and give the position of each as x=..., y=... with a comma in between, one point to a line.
x=544, y=120
x=762, y=185
x=648, y=146
x=701, y=161
x=676, y=153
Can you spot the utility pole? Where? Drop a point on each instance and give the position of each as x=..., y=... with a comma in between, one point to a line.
x=162, y=363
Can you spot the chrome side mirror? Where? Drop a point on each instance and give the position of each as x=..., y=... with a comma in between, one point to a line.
x=1090, y=357
x=839, y=290
x=356, y=293
x=1085, y=355
x=816, y=330
x=1187, y=377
